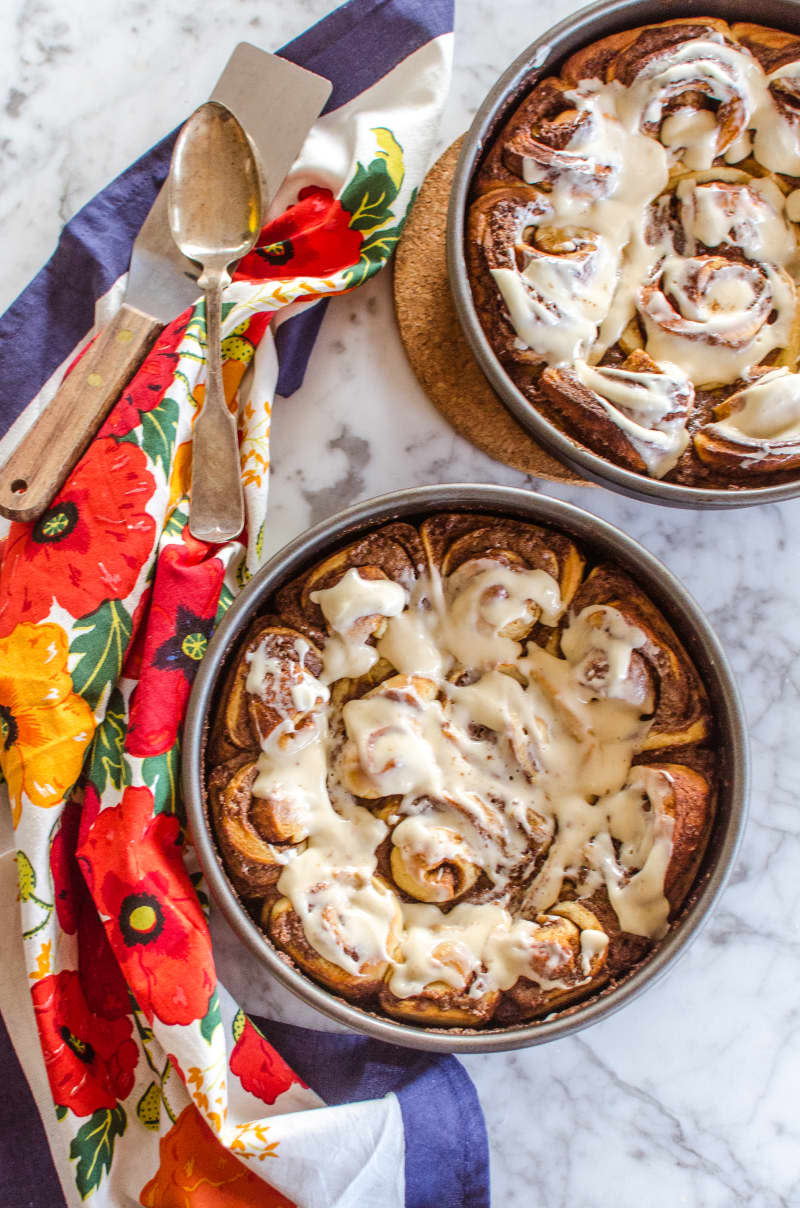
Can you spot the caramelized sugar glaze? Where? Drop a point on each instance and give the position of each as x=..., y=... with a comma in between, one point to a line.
x=462, y=773
x=632, y=251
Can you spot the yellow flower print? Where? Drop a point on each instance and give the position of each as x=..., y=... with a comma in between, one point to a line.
x=44, y=727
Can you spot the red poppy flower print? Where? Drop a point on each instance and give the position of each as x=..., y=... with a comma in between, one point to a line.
x=90, y=1061
x=90, y=544
x=103, y=985
x=151, y=381
x=133, y=866
x=312, y=238
x=67, y=879
x=182, y=610
x=261, y=1070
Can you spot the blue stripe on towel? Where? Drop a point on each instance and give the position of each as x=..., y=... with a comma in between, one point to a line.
x=386, y=31
x=28, y=1177
x=447, y=1158
x=447, y=1154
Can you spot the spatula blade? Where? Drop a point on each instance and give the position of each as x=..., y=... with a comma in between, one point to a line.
x=277, y=103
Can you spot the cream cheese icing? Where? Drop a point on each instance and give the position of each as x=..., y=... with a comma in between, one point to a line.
x=504, y=764
x=716, y=300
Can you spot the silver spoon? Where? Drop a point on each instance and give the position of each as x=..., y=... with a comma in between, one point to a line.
x=214, y=202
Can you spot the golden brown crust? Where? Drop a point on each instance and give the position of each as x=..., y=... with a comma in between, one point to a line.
x=285, y=928
x=250, y=856
x=539, y=149
x=255, y=833
x=246, y=719
x=682, y=715
x=450, y=540
x=440, y=1006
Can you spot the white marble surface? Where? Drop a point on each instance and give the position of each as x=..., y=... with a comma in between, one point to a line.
x=688, y=1096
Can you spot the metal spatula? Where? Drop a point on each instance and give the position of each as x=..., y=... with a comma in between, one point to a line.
x=277, y=103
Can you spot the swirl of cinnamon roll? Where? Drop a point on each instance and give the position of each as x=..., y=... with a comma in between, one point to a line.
x=657, y=829
x=254, y=833
x=691, y=89
x=431, y=863
x=557, y=958
x=731, y=212
x=345, y=934
x=453, y=997
x=502, y=222
x=775, y=144
x=272, y=686
x=386, y=751
x=758, y=426
x=714, y=315
x=658, y=676
x=327, y=604
x=636, y=411
x=559, y=290
x=552, y=143
x=453, y=539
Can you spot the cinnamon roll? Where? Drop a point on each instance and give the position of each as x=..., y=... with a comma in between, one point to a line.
x=632, y=247
x=252, y=831
x=511, y=815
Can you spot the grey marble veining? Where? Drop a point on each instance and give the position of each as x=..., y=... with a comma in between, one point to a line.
x=687, y=1097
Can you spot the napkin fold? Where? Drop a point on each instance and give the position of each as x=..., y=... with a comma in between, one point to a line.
x=162, y=1089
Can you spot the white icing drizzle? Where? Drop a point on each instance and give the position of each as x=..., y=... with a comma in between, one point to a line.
x=651, y=408
x=765, y=414
x=593, y=944
x=716, y=318
x=343, y=606
x=718, y=327
x=267, y=674
x=645, y=839
x=748, y=216
x=481, y=770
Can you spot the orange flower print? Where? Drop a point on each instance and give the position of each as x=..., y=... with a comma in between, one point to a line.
x=197, y=1171
x=44, y=727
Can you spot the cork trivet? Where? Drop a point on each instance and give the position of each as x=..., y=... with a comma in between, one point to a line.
x=436, y=346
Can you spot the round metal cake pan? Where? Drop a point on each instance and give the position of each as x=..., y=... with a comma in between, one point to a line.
x=544, y=57
x=602, y=541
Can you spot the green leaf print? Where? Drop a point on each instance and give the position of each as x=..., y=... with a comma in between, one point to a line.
x=211, y=1019
x=158, y=428
x=106, y=759
x=225, y=601
x=178, y=520
x=160, y=774
x=148, y=1109
x=102, y=641
x=26, y=877
x=93, y=1147
x=369, y=195
x=375, y=251
x=239, y=1021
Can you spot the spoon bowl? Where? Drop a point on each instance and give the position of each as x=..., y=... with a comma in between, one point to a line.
x=214, y=194
x=214, y=207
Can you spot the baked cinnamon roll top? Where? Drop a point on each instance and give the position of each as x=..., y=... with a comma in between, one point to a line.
x=489, y=773
x=632, y=249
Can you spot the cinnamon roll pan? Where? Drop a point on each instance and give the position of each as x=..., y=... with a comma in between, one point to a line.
x=604, y=543
x=543, y=58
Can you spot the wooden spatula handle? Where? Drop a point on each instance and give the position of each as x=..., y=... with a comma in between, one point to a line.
x=43, y=459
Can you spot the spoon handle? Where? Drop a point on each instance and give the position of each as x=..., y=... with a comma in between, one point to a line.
x=217, y=505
